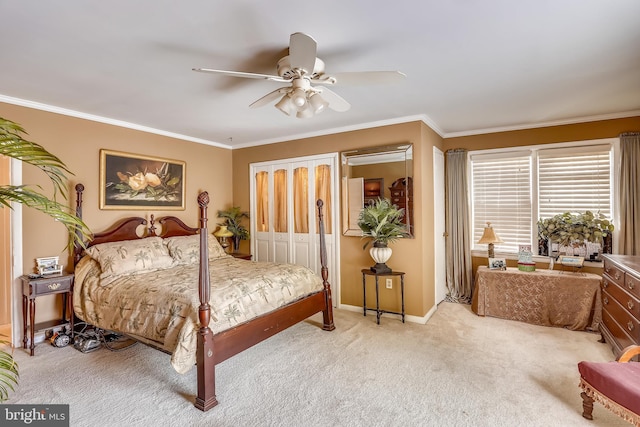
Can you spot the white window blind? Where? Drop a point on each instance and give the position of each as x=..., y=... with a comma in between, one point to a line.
x=513, y=189
x=501, y=189
x=574, y=180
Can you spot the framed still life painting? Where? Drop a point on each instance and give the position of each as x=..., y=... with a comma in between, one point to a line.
x=134, y=181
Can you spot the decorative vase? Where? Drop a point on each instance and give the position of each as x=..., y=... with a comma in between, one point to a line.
x=236, y=244
x=380, y=253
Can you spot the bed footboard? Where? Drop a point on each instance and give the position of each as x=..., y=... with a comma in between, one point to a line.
x=213, y=349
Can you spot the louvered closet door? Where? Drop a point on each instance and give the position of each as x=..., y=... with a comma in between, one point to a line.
x=284, y=213
x=270, y=213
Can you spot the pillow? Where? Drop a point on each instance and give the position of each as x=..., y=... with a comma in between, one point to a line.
x=186, y=249
x=131, y=256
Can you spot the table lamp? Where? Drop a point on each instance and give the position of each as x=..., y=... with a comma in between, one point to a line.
x=223, y=235
x=489, y=236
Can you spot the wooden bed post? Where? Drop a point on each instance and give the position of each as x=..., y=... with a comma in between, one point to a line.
x=77, y=248
x=206, y=398
x=327, y=313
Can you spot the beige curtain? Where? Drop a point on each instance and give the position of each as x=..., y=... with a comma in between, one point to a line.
x=629, y=179
x=458, y=241
x=262, y=201
x=323, y=191
x=301, y=200
x=280, y=201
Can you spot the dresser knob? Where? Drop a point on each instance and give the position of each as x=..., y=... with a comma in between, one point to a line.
x=630, y=285
x=617, y=275
x=630, y=326
x=605, y=283
x=605, y=300
x=630, y=305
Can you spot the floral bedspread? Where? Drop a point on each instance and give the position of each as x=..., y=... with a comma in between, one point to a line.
x=162, y=306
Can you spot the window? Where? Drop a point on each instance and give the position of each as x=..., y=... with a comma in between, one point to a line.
x=512, y=189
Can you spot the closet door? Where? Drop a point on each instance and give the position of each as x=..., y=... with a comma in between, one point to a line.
x=284, y=218
x=281, y=212
x=270, y=207
x=303, y=197
x=261, y=228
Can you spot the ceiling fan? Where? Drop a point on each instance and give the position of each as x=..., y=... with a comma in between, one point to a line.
x=303, y=70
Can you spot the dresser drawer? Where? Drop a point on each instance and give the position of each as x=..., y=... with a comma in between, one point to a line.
x=632, y=284
x=622, y=338
x=628, y=301
x=614, y=273
x=630, y=324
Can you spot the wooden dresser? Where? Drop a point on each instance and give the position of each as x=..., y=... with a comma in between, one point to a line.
x=402, y=196
x=621, y=301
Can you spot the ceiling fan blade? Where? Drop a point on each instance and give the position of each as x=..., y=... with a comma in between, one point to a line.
x=360, y=78
x=336, y=102
x=302, y=52
x=245, y=75
x=271, y=96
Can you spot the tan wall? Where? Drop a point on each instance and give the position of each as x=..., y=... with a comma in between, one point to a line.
x=408, y=254
x=77, y=143
x=546, y=135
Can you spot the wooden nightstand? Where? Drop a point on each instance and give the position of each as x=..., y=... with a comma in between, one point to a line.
x=45, y=285
x=241, y=255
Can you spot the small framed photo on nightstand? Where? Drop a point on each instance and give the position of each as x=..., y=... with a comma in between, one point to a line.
x=497, y=263
x=48, y=265
x=571, y=261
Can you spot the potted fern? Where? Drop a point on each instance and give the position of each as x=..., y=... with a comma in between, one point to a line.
x=13, y=145
x=232, y=220
x=381, y=223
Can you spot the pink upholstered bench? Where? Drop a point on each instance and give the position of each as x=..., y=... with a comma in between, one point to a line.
x=616, y=385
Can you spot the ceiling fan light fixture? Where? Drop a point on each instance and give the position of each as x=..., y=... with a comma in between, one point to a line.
x=305, y=112
x=317, y=103
x=299, y=98
x=286, y=105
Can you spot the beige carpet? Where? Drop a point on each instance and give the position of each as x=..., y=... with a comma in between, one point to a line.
x=457, y=370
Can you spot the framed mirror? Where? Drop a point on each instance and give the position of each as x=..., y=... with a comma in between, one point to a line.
x=369, y=173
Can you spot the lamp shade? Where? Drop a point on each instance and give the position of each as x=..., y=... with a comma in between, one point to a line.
x=305, y=112
x=223, y=231
x=317, y=103
x=299, y=98
x=286, y=105
x=489, y=236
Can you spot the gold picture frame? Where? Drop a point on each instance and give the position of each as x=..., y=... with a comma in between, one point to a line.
x=138, y=182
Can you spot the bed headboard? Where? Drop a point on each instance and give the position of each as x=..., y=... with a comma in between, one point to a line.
x=127, y=228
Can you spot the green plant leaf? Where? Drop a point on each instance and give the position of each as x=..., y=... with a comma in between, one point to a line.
x=8, y=373
x=381, y=221
x=12, y=144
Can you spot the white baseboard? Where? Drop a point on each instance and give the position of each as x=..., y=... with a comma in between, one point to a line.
x=409, y=318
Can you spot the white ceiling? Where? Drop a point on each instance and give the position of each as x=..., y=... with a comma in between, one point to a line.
x=471, y=65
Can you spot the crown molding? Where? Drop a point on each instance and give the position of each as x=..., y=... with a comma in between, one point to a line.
x=576, y=120
x=105, y=120
x=398, y=120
